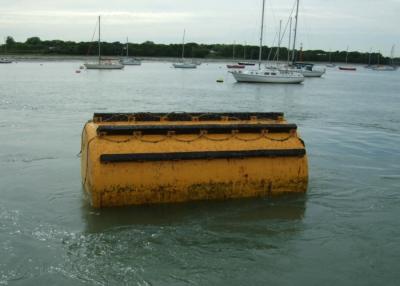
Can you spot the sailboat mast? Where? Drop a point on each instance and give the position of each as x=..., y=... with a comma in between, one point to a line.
x=290, y=39
x=233, y=51
x=379, y=56
x=295, y=31
x=261, y=34
x=392, y=55
x=369, y=57
x=127, y=47
x=99, y=41
x=279, y=41
x=183, y=43
x=347, y=53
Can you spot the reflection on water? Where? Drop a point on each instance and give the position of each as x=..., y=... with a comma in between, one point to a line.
x=238, y=212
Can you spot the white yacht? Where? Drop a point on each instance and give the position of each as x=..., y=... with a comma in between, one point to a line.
x=103, y=64
x=266, y=75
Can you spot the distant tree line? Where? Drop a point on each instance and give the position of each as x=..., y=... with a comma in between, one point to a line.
x=35, y=45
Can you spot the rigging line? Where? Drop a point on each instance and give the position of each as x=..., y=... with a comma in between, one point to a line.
x=271, y=49
x=273, y=11
x=307, y=30
x=287, y=23
x=91, y=41
x=284, y=32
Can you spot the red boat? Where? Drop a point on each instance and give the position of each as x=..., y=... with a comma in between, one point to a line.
x=235, y=66
x=347, y=68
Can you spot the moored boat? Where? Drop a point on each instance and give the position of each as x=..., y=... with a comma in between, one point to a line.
x=129, y=61
x=5, y=61
x=343, y=68
x=235, y=66
x=308, y=69
x=347, y=68
x=266, y=75
x=184, y=64
x=384, y=68
x=103, y=64
x=246, y=64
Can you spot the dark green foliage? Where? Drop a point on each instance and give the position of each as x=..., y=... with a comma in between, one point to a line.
x=10, y=41
x=35, y=45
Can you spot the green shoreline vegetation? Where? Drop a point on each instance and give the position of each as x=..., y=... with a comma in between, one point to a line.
x=36, y=46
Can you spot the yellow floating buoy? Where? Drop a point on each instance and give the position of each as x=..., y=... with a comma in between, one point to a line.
x=146, y=158
x=220, y=80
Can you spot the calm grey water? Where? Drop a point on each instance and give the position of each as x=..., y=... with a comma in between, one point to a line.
x=345, y=231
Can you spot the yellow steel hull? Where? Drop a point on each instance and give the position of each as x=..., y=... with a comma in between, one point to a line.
x=122, y=166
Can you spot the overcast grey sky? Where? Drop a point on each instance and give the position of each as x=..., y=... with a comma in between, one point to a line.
x=324, y=24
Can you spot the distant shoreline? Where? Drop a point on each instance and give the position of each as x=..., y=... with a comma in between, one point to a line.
x=61, y=58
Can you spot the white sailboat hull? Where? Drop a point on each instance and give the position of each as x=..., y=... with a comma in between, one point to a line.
x=185, y=66
x=5, y=61
x=312, y=73
x=261, y=77
x=131, y=62
x=97, y=66
x=384, y=68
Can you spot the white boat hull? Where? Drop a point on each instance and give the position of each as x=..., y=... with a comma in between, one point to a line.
x=5, y=61
x=185, y=66
x=104, y=66
x=312, y=73
x=260, y=78
x=131, y=62
x=384, y=68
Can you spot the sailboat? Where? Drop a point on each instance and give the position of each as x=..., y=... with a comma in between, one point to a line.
x=390, y=67
x=127, y=61
x=184, y=64
x=306, y=69
x=330, y=65
x=266, y=75
x=234, y=66
x=369, y=66
x=347, y=68
x=5, y=60
x=244, y=62
x=103, y=64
